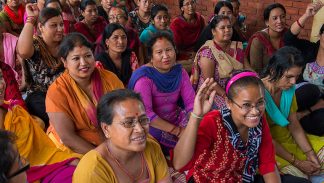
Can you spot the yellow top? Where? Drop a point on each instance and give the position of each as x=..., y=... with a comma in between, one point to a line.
x=94, y=168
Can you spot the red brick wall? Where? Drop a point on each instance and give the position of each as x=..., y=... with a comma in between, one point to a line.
x=253, y=9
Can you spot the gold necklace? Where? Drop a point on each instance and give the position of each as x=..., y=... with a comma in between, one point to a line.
x=123, y=169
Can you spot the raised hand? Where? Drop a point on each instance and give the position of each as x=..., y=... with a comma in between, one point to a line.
x=313, y=8
x=204, y=98
x=32, y=10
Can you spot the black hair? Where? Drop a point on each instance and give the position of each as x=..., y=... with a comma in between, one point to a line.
x=85, y=3
x=155, y=37
x=53, y=1
x=123, y=10
x=221, y=4
x=241, y=83
x=321, y=30
x=281, y=61
x=218, y=18
x=107, y=103
x=48, y=13
x=109, y=30
x=268, y=9
x=157, y=8
x=235, y=1
x=71, y=41
x=8, y=154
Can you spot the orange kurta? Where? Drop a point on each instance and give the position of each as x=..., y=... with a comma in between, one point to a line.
x=64, y=96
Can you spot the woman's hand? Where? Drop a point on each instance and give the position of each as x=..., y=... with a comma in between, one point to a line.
x=311, y=156
x=32, y=10
x=313, y=8
x=308, y=167
x=204, y=98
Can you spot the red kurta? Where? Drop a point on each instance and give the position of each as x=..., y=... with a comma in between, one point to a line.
x=216, y=160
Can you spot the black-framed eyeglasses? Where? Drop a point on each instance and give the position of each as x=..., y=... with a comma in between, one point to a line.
x=23, y=166
x=131, y=123
x=247, y=107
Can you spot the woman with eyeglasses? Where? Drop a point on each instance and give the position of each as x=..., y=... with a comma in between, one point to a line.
x=218, y=58
x=232, y=144
x=72, y=99
x=186, y=29
x=44, y=160
x=12, y=167
x=117, y=57
x=128, y=154
x=92, y=25
x=263, y=44
x=297, y=153
x=166, y=91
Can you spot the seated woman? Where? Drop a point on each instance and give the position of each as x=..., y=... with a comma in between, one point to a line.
x=128, y=153
x=140, y=18
x=264, y=43
x=310, y=92
x=71, y=13
x=104, y=8
x=166, y=91
x=12, y=166
x=238, y=19
x=117, y=58
x=47, y=163
x=12, y=16
x=39, y=54
x=71, y=100
x=56, y=4
x=297, y=154
x=186, y=30
x=92, y=25
x=218, y=58
x=118, y=15
x=160, y=22
x=8, y=54
x=221, y=8
x=234, y=142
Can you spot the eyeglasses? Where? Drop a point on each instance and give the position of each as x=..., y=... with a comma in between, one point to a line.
x=118, y=17
x=192, y=3
x=23, y=166
x=248, y=107
x=131, y=123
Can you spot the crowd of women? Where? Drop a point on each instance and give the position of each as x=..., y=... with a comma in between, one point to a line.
x=204, y=102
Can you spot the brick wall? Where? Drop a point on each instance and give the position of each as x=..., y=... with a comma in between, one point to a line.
x=253, y=9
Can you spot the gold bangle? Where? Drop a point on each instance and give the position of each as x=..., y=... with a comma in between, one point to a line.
x=196, y=116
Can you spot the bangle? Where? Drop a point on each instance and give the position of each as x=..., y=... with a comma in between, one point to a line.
x=298, y=23
x=306, y=152
x=293, y=160
x=196, y=116
x=31, y=19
